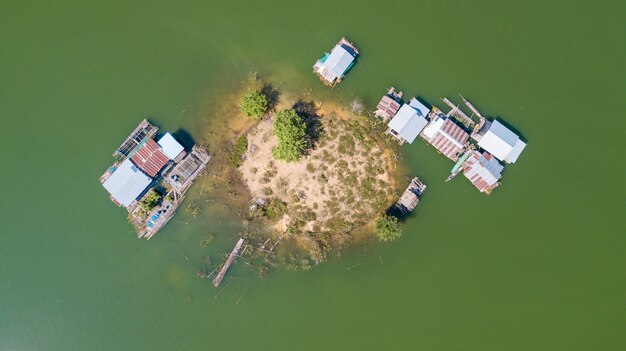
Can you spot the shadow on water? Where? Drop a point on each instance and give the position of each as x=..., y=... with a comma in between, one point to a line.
x=185, y=138
x=272, y=94
x=421, y=100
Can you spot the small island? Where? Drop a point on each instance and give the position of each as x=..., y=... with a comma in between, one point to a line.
x=314, y=175
x=317, y=177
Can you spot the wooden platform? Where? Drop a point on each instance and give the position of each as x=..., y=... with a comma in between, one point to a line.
x=410, y=198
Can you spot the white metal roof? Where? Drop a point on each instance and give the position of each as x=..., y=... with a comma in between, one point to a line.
x=126, y=183
x=336, y=63
x=171, y=148
x=499, y=140
x=433, y=127
x=421, y=109
x=517, y=150
x=408, y=123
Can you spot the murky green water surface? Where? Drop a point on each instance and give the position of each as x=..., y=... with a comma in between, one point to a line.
x=539, y=265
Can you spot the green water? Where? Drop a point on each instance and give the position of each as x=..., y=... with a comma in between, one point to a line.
x=538, y=265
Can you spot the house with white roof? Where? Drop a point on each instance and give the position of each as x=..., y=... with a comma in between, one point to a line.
x=126, y=183
x=331, y=68
x=500, y=141
x=409, y=122
x=170, y=146
x=483, y=170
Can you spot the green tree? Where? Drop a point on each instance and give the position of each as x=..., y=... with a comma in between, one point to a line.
x=388, y=228
x=291, y=131
x=254, y=104
x=150, y=201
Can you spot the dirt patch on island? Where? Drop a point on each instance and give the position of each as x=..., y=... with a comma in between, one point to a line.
x=342, y=182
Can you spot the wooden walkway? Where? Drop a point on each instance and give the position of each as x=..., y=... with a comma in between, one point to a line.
x=229, y=261
x=455, y=110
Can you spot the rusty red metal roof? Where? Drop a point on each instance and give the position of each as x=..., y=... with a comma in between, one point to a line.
x=150, y=158
x=387, y=107
x=447, y=147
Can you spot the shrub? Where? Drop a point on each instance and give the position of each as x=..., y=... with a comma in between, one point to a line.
x=241, y=146
x=150, y=201
x=388, y=228
x=274, y=209
x=290, y=130
x=254, y=104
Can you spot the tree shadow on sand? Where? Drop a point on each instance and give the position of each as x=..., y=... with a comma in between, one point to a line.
x=314, y=129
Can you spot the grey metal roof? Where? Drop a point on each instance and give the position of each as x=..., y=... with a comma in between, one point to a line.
x=126, y=183
x=407, y=123
x=499, y=140
x=421, y=109
x=517, y=150
x=338, y=61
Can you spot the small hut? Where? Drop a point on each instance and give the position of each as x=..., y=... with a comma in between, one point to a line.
x=389, y=104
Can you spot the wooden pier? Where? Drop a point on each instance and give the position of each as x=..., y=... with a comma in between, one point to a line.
x=410, y=198
x=456, y=111
x=144, y=131
x=229, y=261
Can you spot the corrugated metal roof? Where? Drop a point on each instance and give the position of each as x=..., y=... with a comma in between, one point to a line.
x=336, y=64
x=517, y=150
x=171, y=147
x=126, y=183
x=483, y=171
x=339, y=60
x=498, y=140
x=407, y=123
x=387, y=107
x=421, y=109
x=446, y=136
x=150, y=158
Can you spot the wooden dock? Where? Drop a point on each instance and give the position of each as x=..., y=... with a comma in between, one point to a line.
x=229, y=261
x=456, y=111
x=410, y=198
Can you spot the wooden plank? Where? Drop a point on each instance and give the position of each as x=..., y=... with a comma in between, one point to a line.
x=229, y=261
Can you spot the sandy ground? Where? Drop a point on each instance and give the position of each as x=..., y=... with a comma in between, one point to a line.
x=352, y=185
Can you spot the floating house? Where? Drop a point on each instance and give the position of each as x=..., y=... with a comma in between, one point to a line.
x=445, y=135
x=150, y=158
x=389, y=104
x=410, y=198
x=333, y=66
x=483, y=170
x=499, y=141
x=409, y=122
x=143, y=164
x=126, y=183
